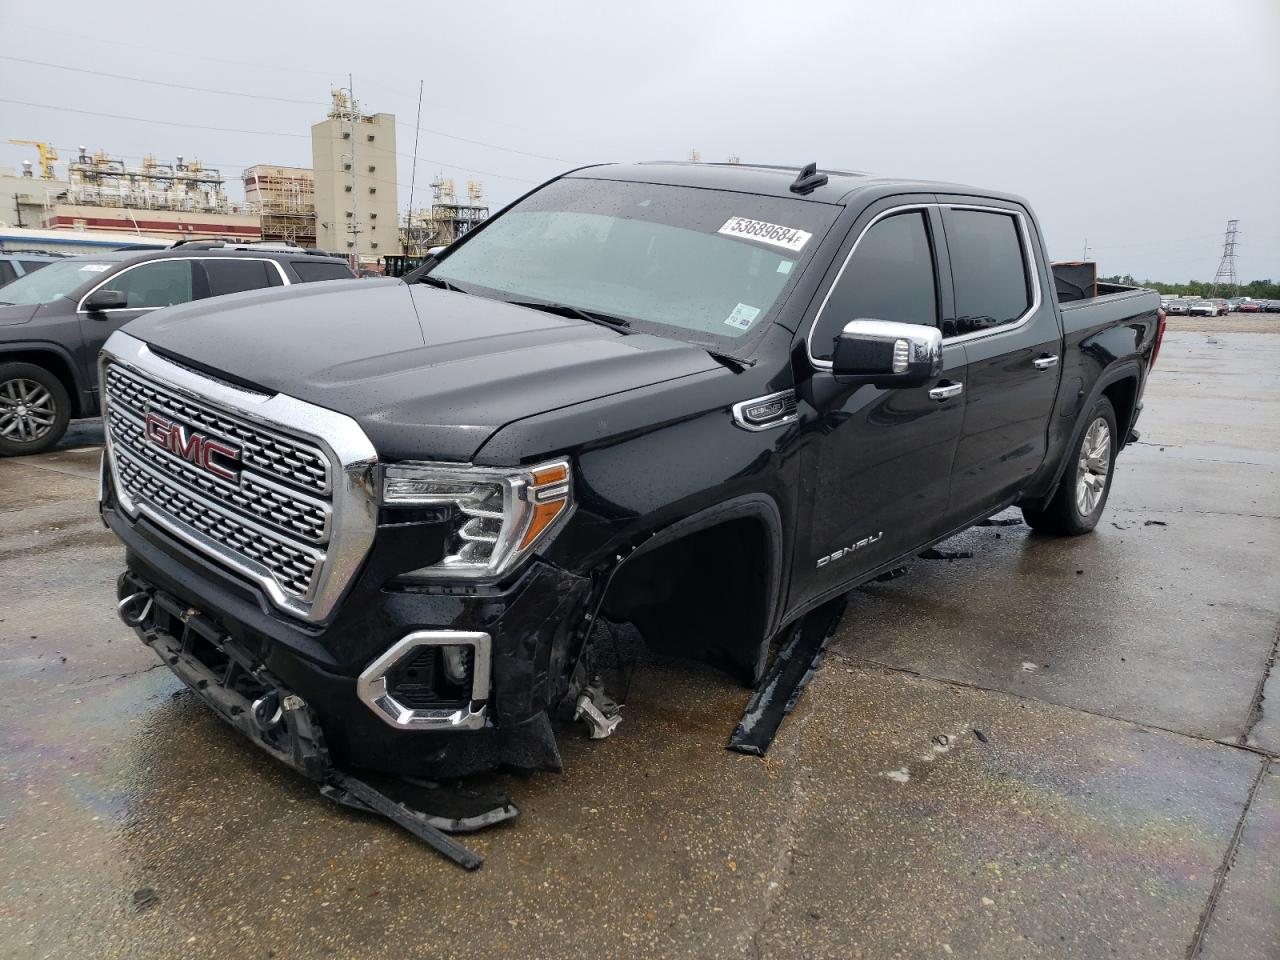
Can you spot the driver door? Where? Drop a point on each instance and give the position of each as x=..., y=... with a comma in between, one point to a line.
x=879, y=465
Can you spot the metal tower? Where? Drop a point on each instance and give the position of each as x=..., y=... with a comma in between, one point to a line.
x=1226, y=275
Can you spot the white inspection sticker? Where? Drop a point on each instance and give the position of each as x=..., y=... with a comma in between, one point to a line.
x=789, y=238
x=743, y=316
x=93, y=267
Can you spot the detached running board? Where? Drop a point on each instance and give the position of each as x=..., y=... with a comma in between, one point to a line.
x=792, y=669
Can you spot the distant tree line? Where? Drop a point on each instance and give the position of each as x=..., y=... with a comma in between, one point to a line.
x=1257, y=289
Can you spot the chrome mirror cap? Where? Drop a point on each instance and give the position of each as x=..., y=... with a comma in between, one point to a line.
x=886, y=353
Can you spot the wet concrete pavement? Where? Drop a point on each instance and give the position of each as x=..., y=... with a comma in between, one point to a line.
x=1055, y=748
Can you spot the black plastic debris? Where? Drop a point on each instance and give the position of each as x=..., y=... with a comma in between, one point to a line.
x=352, y=792
x=144, y=898
x=791, y=671
x=999, y=522
x=1154, y=523
x=933, y=553
x=893, y=574
x=982, y=737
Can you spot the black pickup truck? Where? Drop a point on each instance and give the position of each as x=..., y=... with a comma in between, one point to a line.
x=381, y=519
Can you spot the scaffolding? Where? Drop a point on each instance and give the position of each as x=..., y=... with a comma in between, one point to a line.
x=446, y=219
x=285, y=198
x=186, y=185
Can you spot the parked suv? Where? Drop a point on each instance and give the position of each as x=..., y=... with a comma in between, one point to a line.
x=54, y=322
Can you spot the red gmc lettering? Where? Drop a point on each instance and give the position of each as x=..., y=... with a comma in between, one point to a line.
x=191, y=446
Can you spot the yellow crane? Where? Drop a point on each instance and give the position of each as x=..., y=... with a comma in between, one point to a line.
x=47, y=156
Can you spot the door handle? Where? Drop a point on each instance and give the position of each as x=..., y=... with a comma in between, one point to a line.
x=945, y=391
x=1044, y=363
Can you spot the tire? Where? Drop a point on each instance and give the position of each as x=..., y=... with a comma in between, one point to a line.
x=34, y=409
x=1078, y=503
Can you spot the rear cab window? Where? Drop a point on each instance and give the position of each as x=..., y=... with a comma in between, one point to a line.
x=312, y=271
x=989, y=269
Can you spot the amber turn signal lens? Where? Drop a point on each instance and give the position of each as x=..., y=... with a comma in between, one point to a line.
x=543, y=514
x=557, y=474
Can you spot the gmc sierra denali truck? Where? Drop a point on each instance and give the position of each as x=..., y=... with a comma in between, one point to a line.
x=378, y=521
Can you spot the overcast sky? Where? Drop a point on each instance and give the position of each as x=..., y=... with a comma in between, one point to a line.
x=1139, y=126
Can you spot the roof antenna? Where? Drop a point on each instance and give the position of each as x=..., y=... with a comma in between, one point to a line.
x=808, y=179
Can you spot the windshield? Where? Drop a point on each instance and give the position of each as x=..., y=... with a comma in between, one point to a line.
x=706, y=266
x=54, y=281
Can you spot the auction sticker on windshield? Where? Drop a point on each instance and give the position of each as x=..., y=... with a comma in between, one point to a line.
x=789, y=238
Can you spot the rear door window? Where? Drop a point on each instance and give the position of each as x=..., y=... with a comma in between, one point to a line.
x=236, y=276
x=889, y=276
x=309, y=271
x=160, y=283
x=7, y=272
x=988, y=268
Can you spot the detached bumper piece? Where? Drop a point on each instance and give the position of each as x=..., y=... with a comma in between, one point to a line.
x=233, y=681
x=792, y=669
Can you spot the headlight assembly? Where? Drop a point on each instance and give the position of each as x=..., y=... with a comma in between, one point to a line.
x=498, y=515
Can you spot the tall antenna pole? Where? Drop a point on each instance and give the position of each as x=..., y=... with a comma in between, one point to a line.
x=1226, y=275
x=1085, y=255
x=413, y=174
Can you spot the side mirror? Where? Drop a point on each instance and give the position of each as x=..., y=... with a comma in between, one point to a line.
x=887, y=354
x=101, y=300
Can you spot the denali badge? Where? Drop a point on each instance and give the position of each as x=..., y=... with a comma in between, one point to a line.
x=192, y=446
x=844, y=551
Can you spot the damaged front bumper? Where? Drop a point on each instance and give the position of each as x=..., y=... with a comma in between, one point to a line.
x=370, y=676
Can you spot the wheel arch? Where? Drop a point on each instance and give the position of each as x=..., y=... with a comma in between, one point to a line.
x=1123, y=382
x=702, y=542
x=54, y=359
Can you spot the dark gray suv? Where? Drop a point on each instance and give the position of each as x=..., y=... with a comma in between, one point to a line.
x=54, y=321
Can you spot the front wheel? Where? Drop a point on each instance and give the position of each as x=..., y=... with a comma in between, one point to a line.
x=1077, y=505
x=34, y=409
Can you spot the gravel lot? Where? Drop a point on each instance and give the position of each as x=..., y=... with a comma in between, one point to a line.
x=1083, y=736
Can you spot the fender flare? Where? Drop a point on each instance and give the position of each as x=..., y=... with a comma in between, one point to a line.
x=47, y=346
x=1124, y=370
x=756, y=506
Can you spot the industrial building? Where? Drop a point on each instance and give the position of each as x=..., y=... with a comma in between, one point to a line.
x=354, y=163
x=26, y=199
x=285, y=198
x=445, y=220
x=173, y=200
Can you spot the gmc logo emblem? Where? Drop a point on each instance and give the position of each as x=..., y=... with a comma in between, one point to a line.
x=192, y=446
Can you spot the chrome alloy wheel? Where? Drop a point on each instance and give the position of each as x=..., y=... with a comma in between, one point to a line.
x=1094, y=466
x=27, y=410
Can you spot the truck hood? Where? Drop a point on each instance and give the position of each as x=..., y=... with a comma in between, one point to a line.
x=429, y=374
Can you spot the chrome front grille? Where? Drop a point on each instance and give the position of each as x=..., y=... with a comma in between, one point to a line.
x=293, y=567
x=269, y=502
x=287, y=510
x=276, y=455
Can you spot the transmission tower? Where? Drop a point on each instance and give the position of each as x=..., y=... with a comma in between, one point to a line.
x=1226, y=275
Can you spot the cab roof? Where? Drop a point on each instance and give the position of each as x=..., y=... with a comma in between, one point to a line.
x=776, y=180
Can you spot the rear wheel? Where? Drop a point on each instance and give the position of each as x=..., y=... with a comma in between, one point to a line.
x=34, y=409
x=1077, y=505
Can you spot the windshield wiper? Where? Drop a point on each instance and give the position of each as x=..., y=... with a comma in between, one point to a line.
x=565, y=310
x=440, y=282
x=736, y=364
